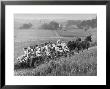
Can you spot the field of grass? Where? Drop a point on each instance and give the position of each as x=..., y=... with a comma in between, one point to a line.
x=18, y=46
x=79, y=33
x=29, y=35
x=24, y=38
x=82, y=64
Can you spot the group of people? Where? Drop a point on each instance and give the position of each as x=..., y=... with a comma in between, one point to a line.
x=35, y=54
x=48, y=50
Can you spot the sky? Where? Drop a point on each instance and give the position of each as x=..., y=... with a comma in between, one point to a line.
x=54, y=16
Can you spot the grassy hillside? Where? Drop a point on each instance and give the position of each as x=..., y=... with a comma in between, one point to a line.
x=82, y=64
x=24, y=38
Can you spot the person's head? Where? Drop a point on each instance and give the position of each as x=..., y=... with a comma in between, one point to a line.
x=36, y=45
x=25, y=49
x=45, y=43
x=59, y=41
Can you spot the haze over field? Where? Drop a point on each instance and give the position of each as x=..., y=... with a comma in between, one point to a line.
x=38, y=19
x=54, y=16
x=29, y=26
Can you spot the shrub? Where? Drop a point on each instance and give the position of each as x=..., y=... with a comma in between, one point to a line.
x=26, y=26
x=51, y=26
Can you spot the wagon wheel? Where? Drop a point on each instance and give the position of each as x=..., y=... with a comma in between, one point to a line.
x=47, y=59
x=28, y=62
x=31, y=62
x=36, y=63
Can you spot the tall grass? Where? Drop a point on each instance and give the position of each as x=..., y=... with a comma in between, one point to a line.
x=82, y=64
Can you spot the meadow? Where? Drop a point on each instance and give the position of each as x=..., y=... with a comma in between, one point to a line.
x=82, y=64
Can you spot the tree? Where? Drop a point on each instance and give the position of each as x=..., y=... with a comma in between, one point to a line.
x=51, y=26
x=89, y=38
x=86, y=24
x=26, y=26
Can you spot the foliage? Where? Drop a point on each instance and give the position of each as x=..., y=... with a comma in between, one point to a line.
x=86, y=24
x=26, y=26
x=82, y=64
x=50, y=26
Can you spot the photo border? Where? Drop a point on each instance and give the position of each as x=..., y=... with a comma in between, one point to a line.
x=4, y=3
